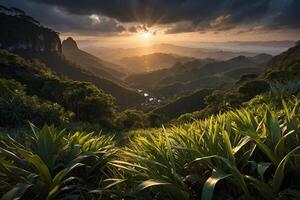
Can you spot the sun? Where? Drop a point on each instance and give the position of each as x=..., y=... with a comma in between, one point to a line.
x=146, y=35
x=146, y=38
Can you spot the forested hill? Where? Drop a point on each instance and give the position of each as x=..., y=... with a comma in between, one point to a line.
x=23, y=35
x=184, y=78
x=286, y=59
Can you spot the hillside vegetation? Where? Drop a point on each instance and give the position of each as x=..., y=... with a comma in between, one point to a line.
x=184, y=78
x=25, y=36
x=33, y=78
x=152, y=62
x=250, y=153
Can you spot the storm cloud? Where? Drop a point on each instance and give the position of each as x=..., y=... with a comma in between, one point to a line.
x=166, y=11
x=63, y=21
x=177, y=15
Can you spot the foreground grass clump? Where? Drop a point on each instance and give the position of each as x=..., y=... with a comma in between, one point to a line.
x=252, y=153
x=49, y=164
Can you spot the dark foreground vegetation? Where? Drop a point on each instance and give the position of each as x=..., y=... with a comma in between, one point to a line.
x=249, y=153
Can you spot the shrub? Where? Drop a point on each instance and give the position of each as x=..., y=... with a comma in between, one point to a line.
x=89, y=103
x=132, y=119
x=16, y=108
x=54, y=165
x=249, y=153
x=252, y=88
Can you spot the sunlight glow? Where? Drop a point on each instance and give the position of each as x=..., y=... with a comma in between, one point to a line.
x=146, y=35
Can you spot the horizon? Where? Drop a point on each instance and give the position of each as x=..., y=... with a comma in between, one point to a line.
x=259, y=47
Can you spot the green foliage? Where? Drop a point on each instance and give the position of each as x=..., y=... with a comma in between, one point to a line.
x=52, y=165
x=287, y=89
x=10, y=87
x=132, y=119
x=88, y=102
x=84, y=99
x=282, y=75
x=253, y=88
x=217, y=102
x=246, y=77
x=249, y=153
x=16, y=108
x=285, y=59
x=184, y=104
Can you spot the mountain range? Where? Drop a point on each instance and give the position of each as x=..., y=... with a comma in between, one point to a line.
x=197, y=74
x=116, y=54
x=283, y=68
x=152, y=62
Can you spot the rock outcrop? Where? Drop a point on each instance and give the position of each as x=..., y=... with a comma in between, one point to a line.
x=21, y=33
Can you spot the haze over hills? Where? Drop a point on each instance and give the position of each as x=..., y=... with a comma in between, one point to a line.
x=152, y=62
x=95, y=65
x=197, y=74
x=116, y=54
x=287, y=58
x=282, y=68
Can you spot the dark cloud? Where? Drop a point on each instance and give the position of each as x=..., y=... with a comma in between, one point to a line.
x=63, y=21
x=133, y=29
x=179, y=15
x=289, y=16
x=138, y=28
x=166, y=11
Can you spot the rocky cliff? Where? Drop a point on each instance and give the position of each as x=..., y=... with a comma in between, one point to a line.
x=22, y=33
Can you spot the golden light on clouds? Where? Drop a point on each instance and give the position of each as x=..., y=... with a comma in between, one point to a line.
x=156, y=35
x=95, y=19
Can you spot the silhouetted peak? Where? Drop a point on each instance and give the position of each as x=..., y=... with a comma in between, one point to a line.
x=70, y=43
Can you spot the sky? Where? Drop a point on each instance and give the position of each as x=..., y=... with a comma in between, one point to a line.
x=145, y=22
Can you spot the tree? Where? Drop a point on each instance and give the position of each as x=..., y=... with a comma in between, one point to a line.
x=17, y=108
x=132, y=119
x=252, y=88
x=216, y=99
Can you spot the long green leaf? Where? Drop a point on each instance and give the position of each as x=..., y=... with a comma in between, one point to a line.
x=16, y=192
x=149, y=183
x=209, y=186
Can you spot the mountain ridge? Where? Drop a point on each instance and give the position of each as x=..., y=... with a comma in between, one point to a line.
x=94, y=64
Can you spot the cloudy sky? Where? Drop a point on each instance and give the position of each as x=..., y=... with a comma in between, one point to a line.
x=167, y=20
